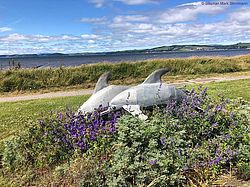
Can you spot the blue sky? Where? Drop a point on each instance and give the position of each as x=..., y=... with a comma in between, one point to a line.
x=69, y=26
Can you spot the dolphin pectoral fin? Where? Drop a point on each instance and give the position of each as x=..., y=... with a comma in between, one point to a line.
x=106, y=112
x=135, y=111
x=102, y=82
x=155, y=77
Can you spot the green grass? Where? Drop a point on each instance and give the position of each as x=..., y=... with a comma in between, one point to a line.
x=229, y=89
x=15, y=115
x=125, y=73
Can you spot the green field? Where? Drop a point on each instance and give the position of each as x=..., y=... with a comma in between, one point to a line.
x=85, y=76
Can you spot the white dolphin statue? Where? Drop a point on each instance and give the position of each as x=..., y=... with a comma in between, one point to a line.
x=102, y=94
x=150, y=93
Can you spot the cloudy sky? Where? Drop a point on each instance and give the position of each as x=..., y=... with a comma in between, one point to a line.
x=69, y=26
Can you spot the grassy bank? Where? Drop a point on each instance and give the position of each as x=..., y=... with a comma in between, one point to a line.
x=125, y=73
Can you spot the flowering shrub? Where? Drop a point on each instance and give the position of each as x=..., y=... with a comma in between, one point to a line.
x=192, y=141
x=58, y=138
x=80, y=131
x=188, y=142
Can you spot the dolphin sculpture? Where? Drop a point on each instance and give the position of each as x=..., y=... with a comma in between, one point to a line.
x=150, y=93
x=102, y=94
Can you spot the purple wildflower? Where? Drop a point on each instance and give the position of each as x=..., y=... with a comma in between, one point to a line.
x=153, y=162
x=163, y=140
x=227, y=136
x=215, y=124
x=179, y=152
x=40, y=122
x=79, y=131
x=218, y=108
x=215, y=161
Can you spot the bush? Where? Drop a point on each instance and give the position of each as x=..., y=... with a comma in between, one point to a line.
x=32, y=148
x=244, y=157
x=147, y=153
x=57, y=138
x=190, y=142
x=8, y=84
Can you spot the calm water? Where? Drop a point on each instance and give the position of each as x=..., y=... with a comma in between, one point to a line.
x=78, y=60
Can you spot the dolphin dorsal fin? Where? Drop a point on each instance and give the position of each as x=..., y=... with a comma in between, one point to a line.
x=102, y=82
x=155, y=77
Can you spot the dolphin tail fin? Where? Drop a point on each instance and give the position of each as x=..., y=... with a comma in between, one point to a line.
x=155, y=77
x=102, y=82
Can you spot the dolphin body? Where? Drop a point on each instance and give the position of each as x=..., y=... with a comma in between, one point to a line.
x=150, y=93
x=102, y=94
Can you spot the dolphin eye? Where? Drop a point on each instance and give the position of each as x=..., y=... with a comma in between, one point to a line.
x=113, y=107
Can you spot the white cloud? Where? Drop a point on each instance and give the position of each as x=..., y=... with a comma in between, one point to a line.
x=5, y=29
x=21, y=44
x=138, y=2
x=68, y=37
x=140, y=31
x=101, y=3
x=37, y=38
x=242, y=15
x=182, y=13
x=91, y=41
x=89, y=36
x=137, y=31
x=130, y=18
x=191, y=4
x=13, y=37
x=98, y=3
x=100, y=20
x=189, y=12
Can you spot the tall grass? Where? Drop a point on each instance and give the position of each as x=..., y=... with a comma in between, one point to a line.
x=125, y=72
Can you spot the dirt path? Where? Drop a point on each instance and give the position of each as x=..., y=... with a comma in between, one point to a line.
x=86, y=92
x=45, y=95
x=213, y=79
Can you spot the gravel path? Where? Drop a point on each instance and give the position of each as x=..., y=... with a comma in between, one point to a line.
x=45, y=95
x=86, y=92
x=213, y=79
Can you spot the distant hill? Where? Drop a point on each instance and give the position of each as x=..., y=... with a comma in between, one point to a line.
x=186, y=48
x=171, y=48
x=202, y=47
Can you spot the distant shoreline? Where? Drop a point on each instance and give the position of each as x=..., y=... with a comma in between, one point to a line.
x=171, y=48
x=113, y=53
x=57, y=60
